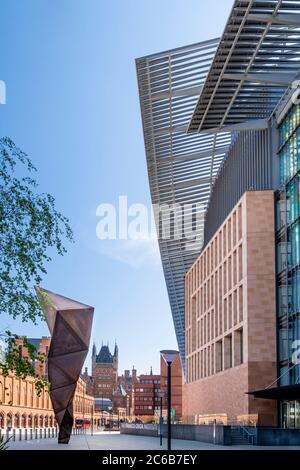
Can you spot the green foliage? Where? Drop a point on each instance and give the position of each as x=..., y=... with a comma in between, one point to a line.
x=4, y=442
x=30, y=225
x=23, y=365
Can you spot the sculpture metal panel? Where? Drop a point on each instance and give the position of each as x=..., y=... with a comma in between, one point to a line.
x=70, y=324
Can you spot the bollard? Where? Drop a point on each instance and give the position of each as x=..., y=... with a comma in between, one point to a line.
x=41, y=433
x=20, y=434
x=52, y=432
x=31, y=433
x=36, y=433
x=26, y=434
x=48, y=432
x=45, y=435
x=14, y=434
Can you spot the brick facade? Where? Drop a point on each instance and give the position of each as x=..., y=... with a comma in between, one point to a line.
x=231, y=318
x=21, y=407
x=104, y=372
x=147, y=396
x=176, y=385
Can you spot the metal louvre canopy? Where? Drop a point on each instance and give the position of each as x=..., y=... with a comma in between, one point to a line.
x=257, y=59
x=181, y=167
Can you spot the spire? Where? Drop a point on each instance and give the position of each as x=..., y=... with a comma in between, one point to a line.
x=116, y=351
x=151, y=371
x=94, y=350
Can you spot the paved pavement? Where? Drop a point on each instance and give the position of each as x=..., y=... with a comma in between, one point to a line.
x=117, y=441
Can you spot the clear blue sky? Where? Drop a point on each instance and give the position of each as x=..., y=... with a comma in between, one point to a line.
x=72, y=105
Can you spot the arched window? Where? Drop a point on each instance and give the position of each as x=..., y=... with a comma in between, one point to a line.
x=9, y=420
x=41, y=421
x=23, y=420
x=17, y=420
x=1, y=419
x=29, y=421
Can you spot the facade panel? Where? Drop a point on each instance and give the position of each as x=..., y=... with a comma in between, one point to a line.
x=288, y=260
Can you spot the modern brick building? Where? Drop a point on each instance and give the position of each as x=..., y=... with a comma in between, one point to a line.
x=147, y=396
x=230, y=318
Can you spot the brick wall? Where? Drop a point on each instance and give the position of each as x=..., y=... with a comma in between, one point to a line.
x=230, y=317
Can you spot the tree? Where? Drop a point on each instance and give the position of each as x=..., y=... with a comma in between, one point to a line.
x=30, y=226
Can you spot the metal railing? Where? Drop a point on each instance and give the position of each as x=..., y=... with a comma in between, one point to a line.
x=26, y=434
x=245, y=432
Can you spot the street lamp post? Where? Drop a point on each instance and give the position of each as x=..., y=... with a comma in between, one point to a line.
x=169, y=357
x=102, y=412
x=169, y=363
x=161, y=420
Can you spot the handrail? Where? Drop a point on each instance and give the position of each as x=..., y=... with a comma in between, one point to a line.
x=249, y=436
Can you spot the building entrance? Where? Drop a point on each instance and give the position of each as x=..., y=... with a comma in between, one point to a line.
x=290, y=414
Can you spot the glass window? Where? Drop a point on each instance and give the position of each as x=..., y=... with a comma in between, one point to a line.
x=283, y=343
x=280, y=211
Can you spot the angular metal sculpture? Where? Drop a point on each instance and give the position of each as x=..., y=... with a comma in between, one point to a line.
x=70, y=325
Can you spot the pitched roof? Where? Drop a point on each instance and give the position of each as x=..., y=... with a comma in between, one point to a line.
x=104, y=356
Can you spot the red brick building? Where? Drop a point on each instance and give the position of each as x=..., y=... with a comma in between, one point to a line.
x=104, y=377
x=147, y=395
x=230, y=318
x=127, y=381
x=42, y=346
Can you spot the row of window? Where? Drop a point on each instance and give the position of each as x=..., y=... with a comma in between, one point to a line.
x=227, y=314
x=150, y=381
x=222, y=243
x=220, y=282
x=223, y=354
x=143, y=407
x=288, y=126
x=288, y=292
x=146, y=390
x=288, y=247
x=288, y=204
x=290, y=158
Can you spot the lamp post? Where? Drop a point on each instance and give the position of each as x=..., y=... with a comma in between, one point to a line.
x=169, y=357
x=161, y=420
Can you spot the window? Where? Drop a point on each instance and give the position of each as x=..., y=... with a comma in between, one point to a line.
x=238, y=347
x=228, y=352
x=219, y=356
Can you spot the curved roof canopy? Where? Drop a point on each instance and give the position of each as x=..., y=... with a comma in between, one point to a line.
x=181, y=167
x=257, y=59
